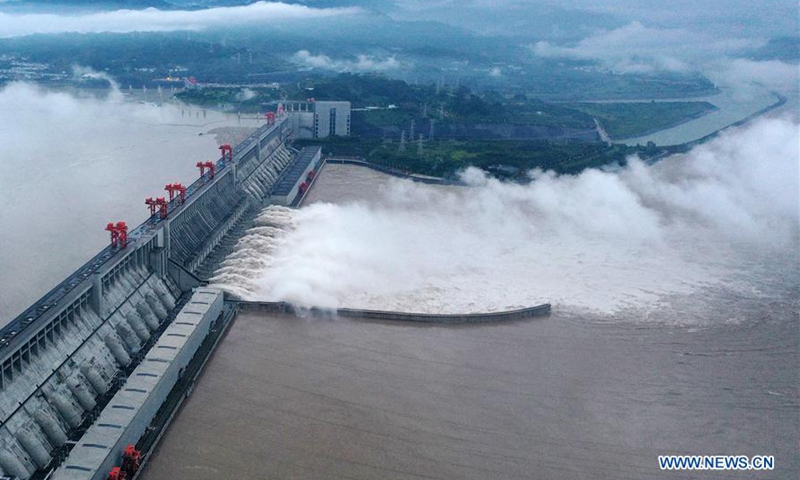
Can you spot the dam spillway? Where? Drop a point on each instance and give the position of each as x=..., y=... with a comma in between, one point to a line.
x=351, y=397
x=66, y=356
x=100, y=363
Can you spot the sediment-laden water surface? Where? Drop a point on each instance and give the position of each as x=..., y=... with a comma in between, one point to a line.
x=72, y=162
x=664, y=243
x=674, y=328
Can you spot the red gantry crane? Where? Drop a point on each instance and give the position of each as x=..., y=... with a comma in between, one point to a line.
x=206, y=165
x=131, y=459
x=227, y=152
x=176, y=189
x=157, y=204
x=117, y=473
x=119, y=234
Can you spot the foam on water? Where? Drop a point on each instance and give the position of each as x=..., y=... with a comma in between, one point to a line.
x=642, y=240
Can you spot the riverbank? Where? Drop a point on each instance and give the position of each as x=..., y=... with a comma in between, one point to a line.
x=734, y=107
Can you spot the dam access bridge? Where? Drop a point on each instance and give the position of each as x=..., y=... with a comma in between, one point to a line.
x=93, y=372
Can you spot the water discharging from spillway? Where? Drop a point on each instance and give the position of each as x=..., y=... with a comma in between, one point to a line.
x=254, y=251
x=664, y=243
x=674, y=322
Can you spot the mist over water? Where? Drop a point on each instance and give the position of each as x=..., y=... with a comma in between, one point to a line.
x=70, y=162
x=654, y=241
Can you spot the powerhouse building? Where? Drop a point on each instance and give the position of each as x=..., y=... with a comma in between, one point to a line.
x=319, y=119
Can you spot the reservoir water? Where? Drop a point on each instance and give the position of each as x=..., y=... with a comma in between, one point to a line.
x=71, y=163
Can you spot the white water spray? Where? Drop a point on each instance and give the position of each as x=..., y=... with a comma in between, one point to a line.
x=599, y=242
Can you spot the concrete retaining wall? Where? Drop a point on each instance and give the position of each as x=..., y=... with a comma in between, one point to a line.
x=395, y=173
x=131, y=410
x=489, y=317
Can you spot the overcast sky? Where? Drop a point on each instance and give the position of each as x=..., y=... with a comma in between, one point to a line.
x=630, y=36
x=734, y=18
x=16, y=24
x=747, y=17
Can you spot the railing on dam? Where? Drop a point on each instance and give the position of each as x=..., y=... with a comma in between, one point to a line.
x=443, y=318
x=141, y=234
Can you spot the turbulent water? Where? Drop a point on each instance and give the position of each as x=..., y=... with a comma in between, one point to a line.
x=673, y=331
x=665, y=243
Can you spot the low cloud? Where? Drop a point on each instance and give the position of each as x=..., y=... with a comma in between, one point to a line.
x=153, y=20
x=559, y=19
x=80, y=72
x=362, y=63
x=636, y=48
x=246, y=94
x=772, y=74
x=720, y=17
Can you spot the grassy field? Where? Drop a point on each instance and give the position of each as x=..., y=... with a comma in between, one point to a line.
x=232, y=99
x=625, y=120
x=505, y=159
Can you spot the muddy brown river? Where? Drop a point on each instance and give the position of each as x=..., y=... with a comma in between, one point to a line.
x=566, y=396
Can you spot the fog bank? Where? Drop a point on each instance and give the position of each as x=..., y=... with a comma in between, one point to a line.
x=362, y=63
x=154, y=20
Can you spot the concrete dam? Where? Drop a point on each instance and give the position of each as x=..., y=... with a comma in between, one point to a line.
x=94, y=371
